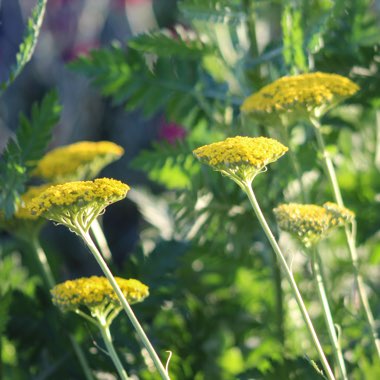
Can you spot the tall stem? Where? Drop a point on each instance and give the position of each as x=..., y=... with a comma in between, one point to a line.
x=101, y=240
x=124, y=303
x=350, y=238
x=42, y=259
x=107, y=338
x=289, y=275
x=320, y=283
x=50, y=282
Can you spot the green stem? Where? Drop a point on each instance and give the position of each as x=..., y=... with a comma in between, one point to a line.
x=101, y=240
x=124, y=303
x=42, y=259
x=350, y=238
x=107, y=338
x=289, y=275
x=50, y=281
x=277, y=277
x=319, y=281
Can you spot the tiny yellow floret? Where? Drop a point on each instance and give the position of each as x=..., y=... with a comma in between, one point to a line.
x=310, y=223
x=239, y=156
x=94, y=292
x=79, y=161
x=299, y=96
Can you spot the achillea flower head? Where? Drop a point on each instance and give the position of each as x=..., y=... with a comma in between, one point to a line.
x=96, y=293
x=342, y=214
x=298, y=97
x=23, y=224
x=241, y=158
x=309, y=223
x=79, y=202
x=77, y=162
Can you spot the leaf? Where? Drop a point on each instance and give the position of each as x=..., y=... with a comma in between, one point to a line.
x=28, y=45
x=182, y=45
x=22, y=153
x=292, y=31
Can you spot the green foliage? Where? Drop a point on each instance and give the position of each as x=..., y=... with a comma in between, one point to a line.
x=181, y=44
x=22, y=153
x=28, y=45
x=292, y=31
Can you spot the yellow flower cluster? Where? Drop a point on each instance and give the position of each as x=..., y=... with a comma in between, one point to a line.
x=310, y=223
x=72, y=197
x=94, y=291
x=241, y=156
x=79, y=161
x=32, y=192
x=309, y=94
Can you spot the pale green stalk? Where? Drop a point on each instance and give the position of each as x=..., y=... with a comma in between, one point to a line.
x=350, y=237
x=246, y=187
x=49, y=278
x=320, y=283
x=107, y=338
x=101, y=240
x=103, y=321
x=124, y=303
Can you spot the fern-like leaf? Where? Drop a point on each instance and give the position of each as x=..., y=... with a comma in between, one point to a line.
x=28, y=45
x=22, y=153
x=183, y=45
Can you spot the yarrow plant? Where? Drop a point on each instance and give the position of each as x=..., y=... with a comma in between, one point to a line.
x=310, y=223
x=298, y=97
x=80, y=161
x=240, y=159
x=94, y=299
x=76, y=205
x=289, y=100
x=77, y=162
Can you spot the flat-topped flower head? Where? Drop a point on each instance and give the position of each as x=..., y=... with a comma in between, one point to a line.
x=241, y=158
x=298, y=97
x=77, y=162
x=96, y=295
x=23, y=224
x=342, y=214
x=307, y=222
x=77, y=204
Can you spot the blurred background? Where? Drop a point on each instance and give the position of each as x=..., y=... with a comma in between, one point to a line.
x=184, y=230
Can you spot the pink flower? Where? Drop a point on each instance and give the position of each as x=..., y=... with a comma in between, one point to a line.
x=171, y=132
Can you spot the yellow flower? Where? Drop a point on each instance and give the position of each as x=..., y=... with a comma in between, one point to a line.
x=297, y=97
x=310, y=223
x=96, y=293
x=80, y=202
x=23, y=211
x=23, y=224
x=79, y=161
x=342, y=214
x=241, y=157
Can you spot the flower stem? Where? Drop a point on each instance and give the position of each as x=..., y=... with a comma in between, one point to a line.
x=289, y=275
x=350, y=238
x=107, y=338
x=124, y=303
x=49, y=278
x=101, y=240
x=42, y=259
x=320, y=283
